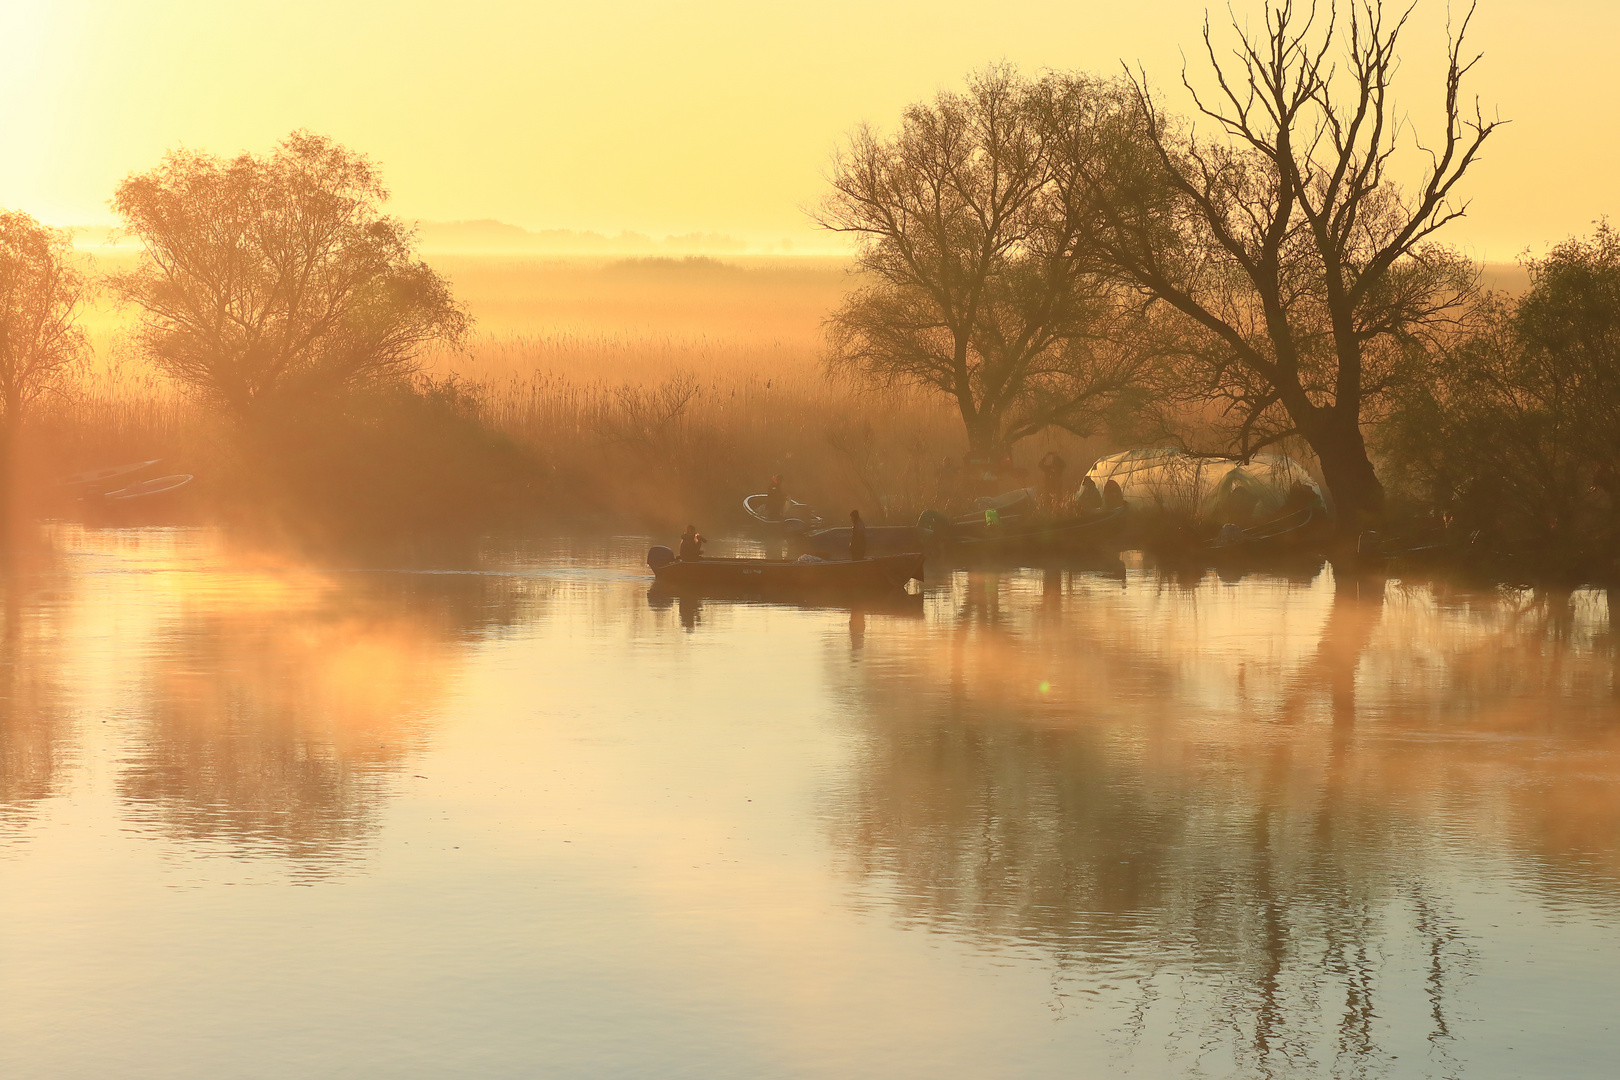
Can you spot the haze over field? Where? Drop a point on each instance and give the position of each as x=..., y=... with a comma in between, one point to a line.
x=681, y=118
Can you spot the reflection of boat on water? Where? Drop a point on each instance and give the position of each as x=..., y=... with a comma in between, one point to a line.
x=795, y=518
x=781, y=577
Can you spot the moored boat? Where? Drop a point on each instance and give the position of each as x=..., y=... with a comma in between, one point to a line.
x=880, y=540
x=795, y=518
x=806, y=576
x=1092, y=533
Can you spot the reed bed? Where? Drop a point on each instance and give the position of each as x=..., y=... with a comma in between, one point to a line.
x=648, y=393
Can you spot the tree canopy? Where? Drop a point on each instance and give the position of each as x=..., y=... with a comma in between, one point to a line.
x=973, y=281
x=1282, y=234
x=40, y=297
x=265, y=280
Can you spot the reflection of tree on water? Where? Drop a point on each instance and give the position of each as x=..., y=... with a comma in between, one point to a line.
x=277, y=712
x=1243, y=897
x=32, y=742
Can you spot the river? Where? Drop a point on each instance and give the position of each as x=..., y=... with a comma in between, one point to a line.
x=262, y=818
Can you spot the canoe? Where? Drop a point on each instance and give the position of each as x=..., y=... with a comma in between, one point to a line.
x=796, y=516
x=147, y=489
x=880, y=540
x=782, y=577
x=101, y=476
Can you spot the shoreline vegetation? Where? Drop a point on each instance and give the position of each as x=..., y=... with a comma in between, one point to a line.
x=1066, y=263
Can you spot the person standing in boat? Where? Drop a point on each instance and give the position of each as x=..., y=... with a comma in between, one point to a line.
x=775, y=500
x=857, y=536
x=1052, y=467
x=692, y=543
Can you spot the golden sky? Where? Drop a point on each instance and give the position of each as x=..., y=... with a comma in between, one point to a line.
x=673, y=117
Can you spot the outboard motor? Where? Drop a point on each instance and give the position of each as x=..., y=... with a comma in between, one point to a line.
x=659, y=555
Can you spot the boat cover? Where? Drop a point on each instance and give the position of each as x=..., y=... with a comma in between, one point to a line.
x=1208, y=488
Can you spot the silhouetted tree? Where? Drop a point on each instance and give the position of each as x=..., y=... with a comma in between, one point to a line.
x=40, y=295
x=973, y=281
x=266, y=280
x=1519, y=430
x=1285, y=238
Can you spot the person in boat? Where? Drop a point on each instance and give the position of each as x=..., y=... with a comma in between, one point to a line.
x=775, y=500
x=1113, y=495
x=1052, y=467
x=1091, y=500
x=692, y=543
x=857, y=536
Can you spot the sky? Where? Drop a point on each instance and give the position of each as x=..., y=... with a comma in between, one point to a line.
x=672, y=117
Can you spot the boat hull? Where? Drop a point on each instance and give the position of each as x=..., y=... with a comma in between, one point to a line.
x=771, y=577
x=880, y=540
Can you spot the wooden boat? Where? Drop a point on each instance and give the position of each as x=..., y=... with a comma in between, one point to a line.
x=796, y=516
x=782, y=577
x=101, y=476
x=1286, y=534
x=880, y=540
x=147, y=489
x=1020, y=538
x=1427, y=548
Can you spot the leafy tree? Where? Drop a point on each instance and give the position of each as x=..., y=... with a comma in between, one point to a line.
x=267, y=281
x=974, y=282
x=1519, y=430
x=1283, y=237
x=40, y=297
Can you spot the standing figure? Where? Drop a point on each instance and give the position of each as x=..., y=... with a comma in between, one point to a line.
x=692, y=543
x=857, y=536
x=775, y=500
x=1052, y=467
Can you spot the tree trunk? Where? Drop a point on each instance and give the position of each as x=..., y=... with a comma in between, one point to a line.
x=1358, y=497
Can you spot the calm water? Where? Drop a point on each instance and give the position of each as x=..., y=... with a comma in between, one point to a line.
x=259, y=819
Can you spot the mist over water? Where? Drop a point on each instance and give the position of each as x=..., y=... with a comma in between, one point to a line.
x=515, y=818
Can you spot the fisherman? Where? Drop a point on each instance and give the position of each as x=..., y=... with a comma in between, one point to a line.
x=692, y=543
x=857, y=536
x=1052, y=467
x=775, y=500
x=1113, y=496
x=1091, y=499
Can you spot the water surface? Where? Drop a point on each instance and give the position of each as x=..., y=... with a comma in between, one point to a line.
x=261, y=818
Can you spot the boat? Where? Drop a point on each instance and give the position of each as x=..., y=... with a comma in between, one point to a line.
x=880, y=540
x=1090, y=533
x=1423, y=549
x=796, y=516
x=1285, y=534
x=101, y=476
x=805, y=576
x=147, y=489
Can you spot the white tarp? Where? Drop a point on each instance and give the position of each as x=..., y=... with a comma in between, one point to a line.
x=1208, y=488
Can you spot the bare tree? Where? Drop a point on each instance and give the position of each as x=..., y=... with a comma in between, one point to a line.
x=1286, y=239
x=975, y=284
x=273, y=279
